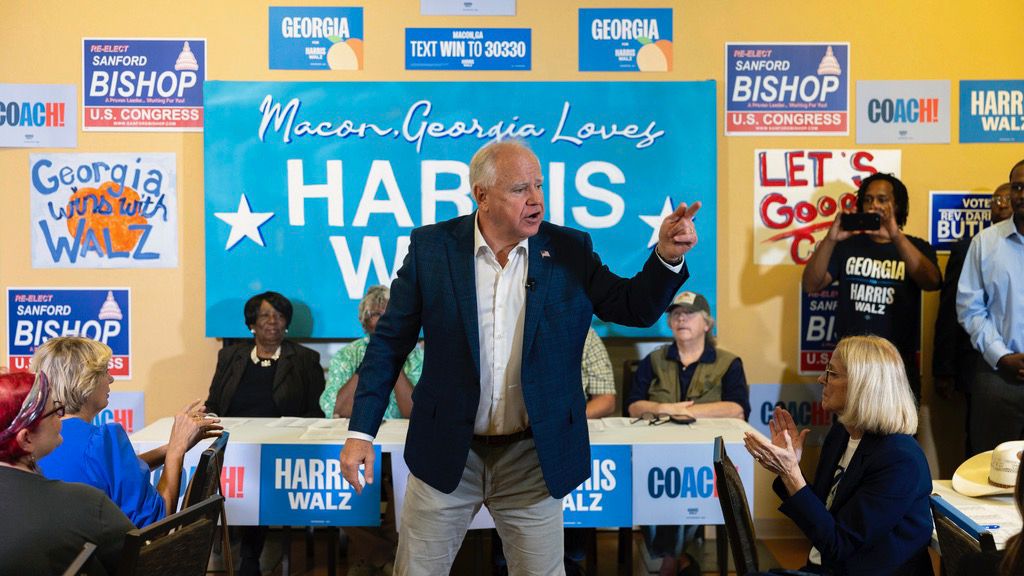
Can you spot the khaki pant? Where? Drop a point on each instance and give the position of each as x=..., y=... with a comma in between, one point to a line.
x=508, y=480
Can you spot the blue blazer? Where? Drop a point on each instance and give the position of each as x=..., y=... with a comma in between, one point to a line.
x=880, y=522
x=435, y=290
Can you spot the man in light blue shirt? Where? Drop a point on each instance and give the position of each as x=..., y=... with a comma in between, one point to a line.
x=990, y=306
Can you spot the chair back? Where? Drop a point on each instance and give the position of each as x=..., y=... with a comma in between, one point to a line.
x=75, y=568
x=628, y=372
x=205, y=482
x=739, y=525
x=958, y=535
x=178, y=545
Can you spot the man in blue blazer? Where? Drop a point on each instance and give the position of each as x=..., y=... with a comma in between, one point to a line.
x=504, y=300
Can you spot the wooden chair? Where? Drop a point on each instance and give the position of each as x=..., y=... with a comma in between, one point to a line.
x=75, y=568
x=958, y=535
x=205, y=482
x=739, y=525
x=178, y=545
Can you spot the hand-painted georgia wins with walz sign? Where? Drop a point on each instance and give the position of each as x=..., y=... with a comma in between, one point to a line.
x=104, y=210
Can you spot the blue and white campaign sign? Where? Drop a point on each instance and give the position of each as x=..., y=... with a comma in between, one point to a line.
x=302, y=485
x=104, y=210
x=675, y=484
x=991, y=111
x=125, y=408
x=34, y=315
x=38, y=116
x=316, y=38
x=335, y=176
x=143, y=85
x=792, y=89
x=467, y=49
x=606, y=498
x=954, y=215
x=238, y=481
x=903, y=112
x=818, y=328
x=468, y=7
x=625, y=39
x=803, y=401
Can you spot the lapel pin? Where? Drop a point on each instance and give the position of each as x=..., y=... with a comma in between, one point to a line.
x=545, y=254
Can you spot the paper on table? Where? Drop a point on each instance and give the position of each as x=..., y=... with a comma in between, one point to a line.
x=595, y=426
x=334, y=423
x=324, y=434
x=616, y=422
x=229, y=423
x=280, y=422
x=1002, y=521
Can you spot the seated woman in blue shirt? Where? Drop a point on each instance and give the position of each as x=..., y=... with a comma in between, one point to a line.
x=867, y=510
x=102, y=456
x=688, y=377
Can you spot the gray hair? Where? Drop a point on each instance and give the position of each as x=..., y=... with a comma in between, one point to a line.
x=376, y=298
x=878, y=396
x=481, y=167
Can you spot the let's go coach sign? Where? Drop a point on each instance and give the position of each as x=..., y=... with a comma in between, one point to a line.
x=312, y=189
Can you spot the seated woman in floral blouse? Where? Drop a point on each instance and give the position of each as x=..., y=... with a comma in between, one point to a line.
x=336, y=401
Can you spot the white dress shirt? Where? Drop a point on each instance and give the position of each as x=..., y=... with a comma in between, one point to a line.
x=990, y=295
x=501, y=312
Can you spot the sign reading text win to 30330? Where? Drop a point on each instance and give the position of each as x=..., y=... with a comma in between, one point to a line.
x=467, y=49
x=335, y=177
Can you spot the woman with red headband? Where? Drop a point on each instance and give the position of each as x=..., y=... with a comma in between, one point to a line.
x=46, y=522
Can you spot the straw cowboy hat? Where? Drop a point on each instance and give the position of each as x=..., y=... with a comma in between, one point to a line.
x=990, y=473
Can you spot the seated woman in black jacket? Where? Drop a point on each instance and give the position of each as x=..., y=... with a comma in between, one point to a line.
x=267, y=377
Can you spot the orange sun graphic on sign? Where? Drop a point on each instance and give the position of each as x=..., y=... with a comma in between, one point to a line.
x=108, y=212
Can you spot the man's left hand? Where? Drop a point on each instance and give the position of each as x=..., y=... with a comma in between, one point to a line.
x=677, y=234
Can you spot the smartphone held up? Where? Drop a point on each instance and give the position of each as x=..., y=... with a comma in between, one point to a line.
x=860, y=221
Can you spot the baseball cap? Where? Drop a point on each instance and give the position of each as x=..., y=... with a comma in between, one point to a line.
x=690, y=302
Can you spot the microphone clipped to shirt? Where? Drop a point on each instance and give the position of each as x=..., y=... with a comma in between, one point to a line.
x=531, y=284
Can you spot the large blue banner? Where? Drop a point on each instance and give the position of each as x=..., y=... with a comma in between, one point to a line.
x=312, y=189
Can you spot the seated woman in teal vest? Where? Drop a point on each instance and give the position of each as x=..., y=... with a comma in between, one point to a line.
x=689, y=377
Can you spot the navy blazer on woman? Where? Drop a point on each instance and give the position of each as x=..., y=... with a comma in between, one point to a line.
x=880, y=522
x=436, y=289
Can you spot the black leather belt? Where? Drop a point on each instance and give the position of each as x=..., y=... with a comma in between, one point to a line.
x=503, y=439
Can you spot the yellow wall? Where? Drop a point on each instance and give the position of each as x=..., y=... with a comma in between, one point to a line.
x=41, y=42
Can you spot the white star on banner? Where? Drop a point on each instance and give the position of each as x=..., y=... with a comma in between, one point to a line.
x=655, y=221
x=244, y=223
